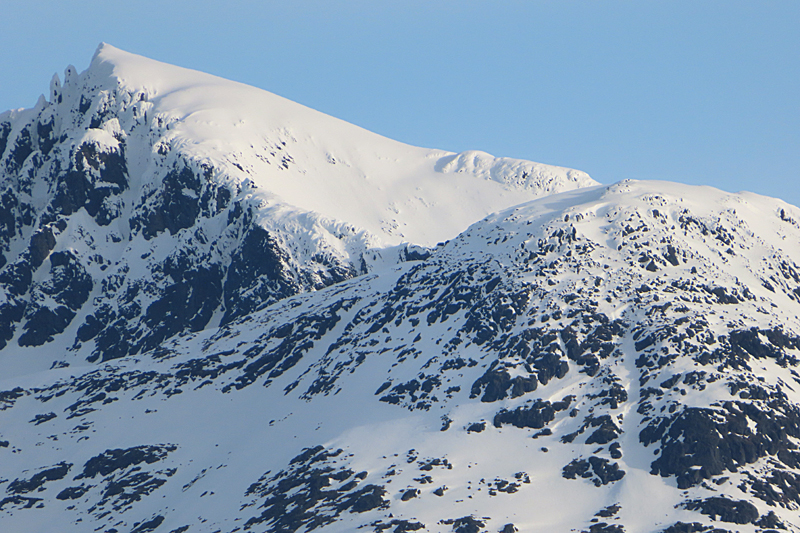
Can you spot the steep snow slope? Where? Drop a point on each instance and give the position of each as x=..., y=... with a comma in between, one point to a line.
x=143, y=200
x=620, y=358
x=321, y=164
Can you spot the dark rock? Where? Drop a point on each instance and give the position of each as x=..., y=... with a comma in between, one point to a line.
x=602, y=527
x=716, y=440
x=615, y=450
x=306, y=495
x=72, y=193
x=23, y=147
x=69, y=283
x=308, y=329
x=609, y=511
x=148, y=526
x=24, y=502
x=409, y=494
x=94, y=175
x=577, y=467
x=366, y=499
x=72, y=493
x=45, y=133
x=132, y=487
x=427, y=465
x=496, y=383
x=177, y=206
x=112, y=460
x=54, y=473
x=9, y=204
x=5, y=131
x=779, y=487
x=535, y=415
x=187, y=305
x=549, y=365
x=770, y=520
x=8, y=397
x=43, y=323
x=84, y=104
x=669, y=383
x=42, y=242
x=606, y=430
x=258, y=274
x=17, y=277
x=466, y=524
x=736, y=512
x=683, y=527
x=721, y=295
x=605, y=471
x=90, y=328
x=39, y=419
x=400, y=526
x=477, y=427
x=601, y=471
x=415, y=253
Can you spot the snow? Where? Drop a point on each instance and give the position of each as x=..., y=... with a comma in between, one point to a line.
x=226, y=440
x=318, y=163
x=332, y=186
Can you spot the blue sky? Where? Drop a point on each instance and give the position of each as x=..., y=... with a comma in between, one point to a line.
x=704, y=92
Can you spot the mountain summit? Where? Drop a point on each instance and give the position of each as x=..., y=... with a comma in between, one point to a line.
x=160, y=190
x=312, y=162
x=224, y=312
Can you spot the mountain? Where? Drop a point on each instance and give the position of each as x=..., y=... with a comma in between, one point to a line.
x=605, y=359
x=173, y=200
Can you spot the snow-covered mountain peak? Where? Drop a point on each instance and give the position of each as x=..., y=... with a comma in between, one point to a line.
x=322, y=164
x=140, y=172
x=210, y=321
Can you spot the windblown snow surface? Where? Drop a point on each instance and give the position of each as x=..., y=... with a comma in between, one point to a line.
x=605, y=359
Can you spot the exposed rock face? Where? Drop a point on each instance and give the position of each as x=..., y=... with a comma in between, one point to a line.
x=159, y=252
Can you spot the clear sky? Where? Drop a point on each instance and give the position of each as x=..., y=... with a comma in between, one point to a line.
x=703, y=92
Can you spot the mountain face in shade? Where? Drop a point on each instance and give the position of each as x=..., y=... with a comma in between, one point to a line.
x=226, y=312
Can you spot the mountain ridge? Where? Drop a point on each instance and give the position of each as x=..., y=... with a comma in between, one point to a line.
x=171, y=187
x=189, y=99
x=610, y=359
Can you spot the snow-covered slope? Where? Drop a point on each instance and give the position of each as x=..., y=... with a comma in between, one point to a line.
x=614, y=359
x=321, y=164
x=142, y=200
